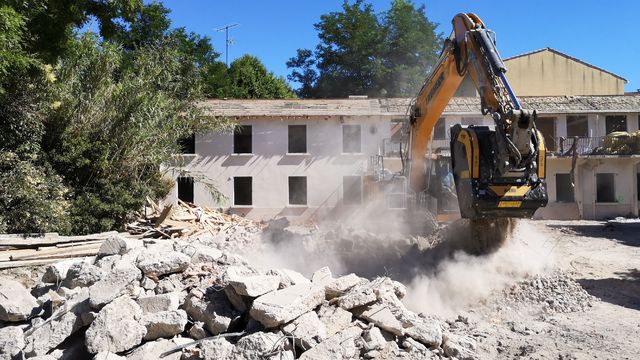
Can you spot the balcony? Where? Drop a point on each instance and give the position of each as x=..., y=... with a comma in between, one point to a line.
x=619, y=143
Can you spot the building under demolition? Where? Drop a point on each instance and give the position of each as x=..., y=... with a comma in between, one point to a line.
x=309, y=158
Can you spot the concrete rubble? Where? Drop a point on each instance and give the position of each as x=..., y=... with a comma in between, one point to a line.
x=189, y=299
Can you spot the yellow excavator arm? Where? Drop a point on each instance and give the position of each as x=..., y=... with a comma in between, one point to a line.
x=499, y=170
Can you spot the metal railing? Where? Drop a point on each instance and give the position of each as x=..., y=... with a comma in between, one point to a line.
x=584, y=145
x=391, y=148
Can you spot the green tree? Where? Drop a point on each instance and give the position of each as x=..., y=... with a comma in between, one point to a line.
x=249, y=79
x=32, y=197
x=361, y=52
x=116, y=123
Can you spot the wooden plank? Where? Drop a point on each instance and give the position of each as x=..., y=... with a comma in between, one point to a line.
x=19, y=241
x=166, y=211
x=68, y=245
x=57, y=252
x=22, y=263
x=6, y=255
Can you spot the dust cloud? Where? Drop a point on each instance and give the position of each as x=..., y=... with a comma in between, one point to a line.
x=463, y=279
x=441, y=277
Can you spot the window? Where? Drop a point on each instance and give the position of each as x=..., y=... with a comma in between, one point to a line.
x=547, y=126
x=615, y=123
x=297, y=139
x=185, y=189
x=297, y=190
x=242, y=140
x=564, y=190
x=351, y=138
x=352, y=190
x=577, y=125
x=440, y=131
x=188, y=144
x=605, y=188
x=242, y=190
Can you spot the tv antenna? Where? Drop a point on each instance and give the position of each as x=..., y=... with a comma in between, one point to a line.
x=227, y=41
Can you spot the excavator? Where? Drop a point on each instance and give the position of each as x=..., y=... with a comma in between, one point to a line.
x=498, y=170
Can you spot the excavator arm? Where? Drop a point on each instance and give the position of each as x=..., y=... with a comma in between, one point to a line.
x=499, y=170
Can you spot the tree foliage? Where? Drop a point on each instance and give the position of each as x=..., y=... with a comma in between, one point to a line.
x=249, y=79
x=365, y=53
x=117, y=123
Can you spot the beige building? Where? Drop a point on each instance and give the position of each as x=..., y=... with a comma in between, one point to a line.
x=309, y=158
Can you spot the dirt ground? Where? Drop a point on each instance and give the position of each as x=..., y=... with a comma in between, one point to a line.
x=604, y=258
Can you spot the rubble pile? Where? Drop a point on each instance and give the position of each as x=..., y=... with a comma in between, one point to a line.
x=187, y=220
x=183, y=299
x=555, y=292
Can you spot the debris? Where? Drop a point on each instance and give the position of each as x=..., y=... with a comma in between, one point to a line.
x=158, y=263
x=256, y=285
x=164, y=323
x=307, y=330
x=16, y=303
x=11, y=342
x=158, y=303
x=282, y=306
x=116, y=328
x=342, y=345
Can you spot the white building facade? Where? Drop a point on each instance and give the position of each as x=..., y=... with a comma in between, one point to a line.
x=306, y=159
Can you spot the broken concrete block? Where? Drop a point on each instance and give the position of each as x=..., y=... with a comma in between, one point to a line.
x=197, y=331
x=168, y=285
x=113, y=285
x=164, y=324
x=147, y=283
x=152, y=350
x=43, y=357
x=235, y=272
x=238, y=302
x=157, y=263
x=113, y=245
x=429, y=334
x=255, y=285
x=107, y=263
x=385, y=285
x=281, y=306
x=105, y=355
x=307, y=331
x=16, y=303
x=158, y=303
x=117, y=245
x=382, y=316
x=11, y=342
x=461, y=346
x=55, y=273
x=43, y=337
x=322, y=276
x=374, y=339
x=217, y=349
x=288, y=277
x=341, y=285
x=340, y=346
x=82, y=274
x=206, y=255
x=359, y=295
x=334, y=318
x=214, y=310
x=427, y=330
x=262, y=345
x=116, y=328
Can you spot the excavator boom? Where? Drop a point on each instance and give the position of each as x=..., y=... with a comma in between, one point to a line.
x=498, y=170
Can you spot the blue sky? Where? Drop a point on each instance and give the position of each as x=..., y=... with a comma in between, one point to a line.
x=603, y=33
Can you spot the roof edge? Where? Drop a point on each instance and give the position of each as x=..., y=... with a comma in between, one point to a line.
x=568, y=57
